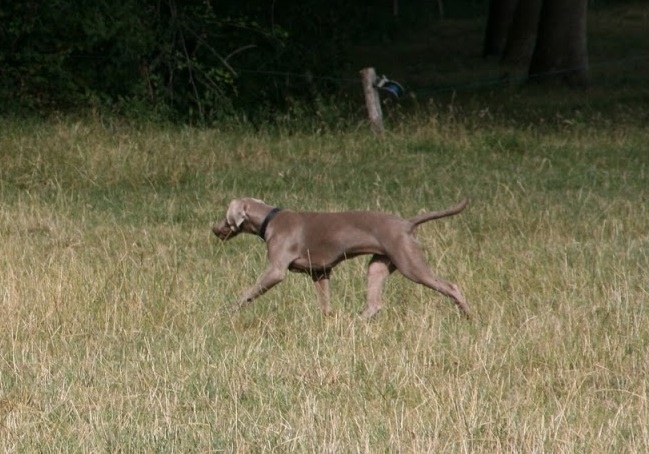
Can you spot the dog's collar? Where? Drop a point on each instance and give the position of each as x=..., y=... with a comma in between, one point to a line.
x=264, y=224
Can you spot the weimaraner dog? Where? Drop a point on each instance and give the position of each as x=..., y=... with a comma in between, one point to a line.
x=313, y=243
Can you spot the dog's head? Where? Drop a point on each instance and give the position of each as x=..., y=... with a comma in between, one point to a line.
x=235, y=219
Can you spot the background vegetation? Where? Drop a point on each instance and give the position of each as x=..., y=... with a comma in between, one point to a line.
x=188, y=60
x=117, y=332
x=203, y=62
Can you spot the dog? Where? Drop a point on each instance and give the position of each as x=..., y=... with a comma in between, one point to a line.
x=315, y=242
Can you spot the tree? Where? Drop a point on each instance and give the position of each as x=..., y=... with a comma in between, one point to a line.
x=546, y=36
x=521, y=34
x=561, y=49
x=499, y=19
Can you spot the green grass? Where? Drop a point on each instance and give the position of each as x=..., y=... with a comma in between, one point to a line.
x=117, y=333
x=116, y=329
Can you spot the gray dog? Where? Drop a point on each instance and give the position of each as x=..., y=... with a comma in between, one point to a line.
x=313, y=243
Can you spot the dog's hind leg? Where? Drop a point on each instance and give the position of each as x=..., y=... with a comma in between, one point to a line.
x=379, y=268
x=409, y=260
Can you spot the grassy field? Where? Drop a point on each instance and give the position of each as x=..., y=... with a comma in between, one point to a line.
x=117, y=333
x=116, y=328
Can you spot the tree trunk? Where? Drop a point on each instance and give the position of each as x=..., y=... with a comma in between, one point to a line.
x=561, y=52
x=522, y=35
x=498, y=22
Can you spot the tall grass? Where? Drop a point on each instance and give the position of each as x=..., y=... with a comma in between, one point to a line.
x=117, y=332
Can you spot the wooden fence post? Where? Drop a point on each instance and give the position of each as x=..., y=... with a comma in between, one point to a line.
x=372, y=100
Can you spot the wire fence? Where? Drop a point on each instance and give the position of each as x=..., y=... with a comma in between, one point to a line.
x=474, y=85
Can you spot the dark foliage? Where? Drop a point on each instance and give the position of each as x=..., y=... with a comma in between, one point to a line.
x=191, y=60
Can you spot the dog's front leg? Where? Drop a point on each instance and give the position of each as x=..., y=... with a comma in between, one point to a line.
x=271, y=277
x=321, y=282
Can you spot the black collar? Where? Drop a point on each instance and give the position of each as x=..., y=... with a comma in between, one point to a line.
x=269, y=217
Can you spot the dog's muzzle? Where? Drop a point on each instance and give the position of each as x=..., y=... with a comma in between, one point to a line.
x=225, y=231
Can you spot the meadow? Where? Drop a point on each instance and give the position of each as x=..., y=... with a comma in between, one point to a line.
x=117, y=329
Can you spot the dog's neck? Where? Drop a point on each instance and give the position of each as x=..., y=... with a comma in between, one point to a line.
x=264, y=224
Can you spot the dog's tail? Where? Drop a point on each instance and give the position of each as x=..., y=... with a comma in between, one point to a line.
x=425, y=217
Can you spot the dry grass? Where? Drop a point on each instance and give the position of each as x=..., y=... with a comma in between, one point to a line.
x=117, y=334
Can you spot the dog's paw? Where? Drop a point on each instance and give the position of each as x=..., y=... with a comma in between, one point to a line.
x=370, y=312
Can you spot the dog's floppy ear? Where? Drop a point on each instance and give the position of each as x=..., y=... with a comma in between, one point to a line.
x=236, y=214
